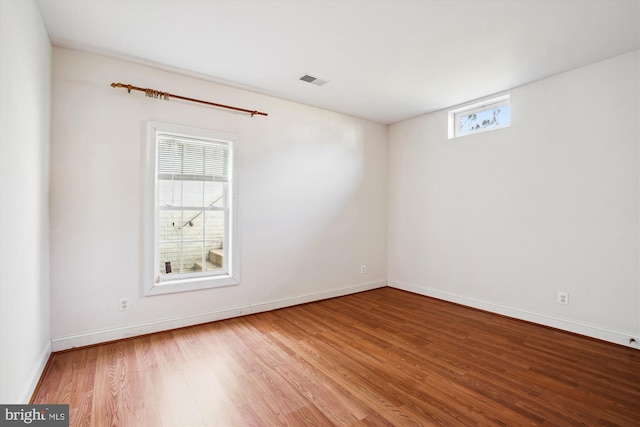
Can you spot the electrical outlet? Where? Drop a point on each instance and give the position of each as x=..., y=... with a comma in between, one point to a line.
x=124, y=304
x=563, y=297
x=363, y=269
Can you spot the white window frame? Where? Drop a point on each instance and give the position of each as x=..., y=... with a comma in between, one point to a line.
x=487, y=104
x=188, y=282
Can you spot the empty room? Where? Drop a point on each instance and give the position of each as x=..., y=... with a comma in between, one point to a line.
x=315, y=212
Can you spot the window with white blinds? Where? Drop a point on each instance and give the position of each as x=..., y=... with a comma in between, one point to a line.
x=193, y=209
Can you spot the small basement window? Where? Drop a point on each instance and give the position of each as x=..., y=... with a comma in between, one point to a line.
x=480, y=117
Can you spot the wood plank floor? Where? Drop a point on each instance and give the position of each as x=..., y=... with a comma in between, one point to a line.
x=379, y=358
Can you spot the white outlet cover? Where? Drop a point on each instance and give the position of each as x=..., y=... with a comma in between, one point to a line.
x=563, y=297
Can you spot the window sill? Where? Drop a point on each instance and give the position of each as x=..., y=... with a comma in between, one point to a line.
x=186, y=285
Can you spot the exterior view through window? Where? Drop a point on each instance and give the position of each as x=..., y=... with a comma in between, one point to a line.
x=488, y=115
x=192, y=189
x=193, y=207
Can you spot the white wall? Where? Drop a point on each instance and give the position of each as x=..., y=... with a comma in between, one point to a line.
x=312, y=197
x=503, y=220
x=25, y=105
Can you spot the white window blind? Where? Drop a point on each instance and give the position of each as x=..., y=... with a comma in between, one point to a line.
x=182, y=158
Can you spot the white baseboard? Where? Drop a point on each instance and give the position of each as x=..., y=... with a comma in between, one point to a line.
x=593, y=331
x=36, y=374
x=112, y=334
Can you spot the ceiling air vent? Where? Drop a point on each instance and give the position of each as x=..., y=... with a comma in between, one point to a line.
x=313, y=80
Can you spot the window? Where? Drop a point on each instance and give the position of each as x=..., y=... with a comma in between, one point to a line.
x=480, y=117
x=191, y=214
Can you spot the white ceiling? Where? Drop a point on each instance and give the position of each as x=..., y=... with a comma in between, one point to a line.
x=385, y=60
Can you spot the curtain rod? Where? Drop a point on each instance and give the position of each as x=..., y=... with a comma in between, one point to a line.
x=152, y=93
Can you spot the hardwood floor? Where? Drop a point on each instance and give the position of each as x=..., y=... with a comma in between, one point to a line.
x=380, y=358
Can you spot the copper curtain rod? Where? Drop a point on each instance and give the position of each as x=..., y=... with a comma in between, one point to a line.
x=152, y=93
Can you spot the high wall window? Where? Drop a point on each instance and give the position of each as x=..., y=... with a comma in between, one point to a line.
x=191, y=209
x=480, y=117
